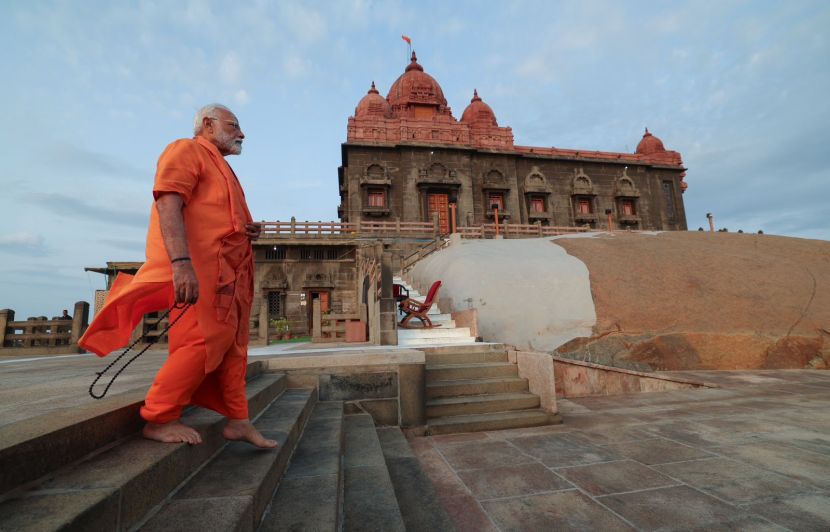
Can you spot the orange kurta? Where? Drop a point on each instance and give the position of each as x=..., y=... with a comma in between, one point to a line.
x=215, y=214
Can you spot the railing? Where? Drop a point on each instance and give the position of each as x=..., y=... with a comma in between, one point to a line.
x=422, y=252
x=293, y=229
x=41, y=335
x=518, y=230
x=362, y=228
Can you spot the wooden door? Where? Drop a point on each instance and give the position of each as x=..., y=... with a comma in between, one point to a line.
x=440, y=203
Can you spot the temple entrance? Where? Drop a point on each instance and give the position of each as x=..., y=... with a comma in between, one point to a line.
x=325, y=306
x=439, y=202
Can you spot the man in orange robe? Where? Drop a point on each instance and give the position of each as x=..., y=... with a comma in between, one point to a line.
x=198, y=252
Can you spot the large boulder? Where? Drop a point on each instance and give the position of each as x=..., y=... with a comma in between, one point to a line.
x=665, y=301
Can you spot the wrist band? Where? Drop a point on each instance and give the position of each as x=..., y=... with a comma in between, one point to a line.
x=179, y=259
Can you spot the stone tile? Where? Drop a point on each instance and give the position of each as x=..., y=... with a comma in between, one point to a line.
x=303, y=503
x=444, y=480
x=788, y=460
x=467, y=515
x=96, y=509
x=743, y=524
x=657, y=451
x=614, y=436
x=312, y=460
x=615, y=477
x=561, y=450
x=731, y=480
x=671, y=508
x=563, y=510
x=510, y=481
x=804, y=512
x=222, y=513
x=694, y=434
x=481, y=455
x=448, y=439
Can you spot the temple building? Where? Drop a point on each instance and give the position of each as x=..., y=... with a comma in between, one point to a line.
x=407, y=158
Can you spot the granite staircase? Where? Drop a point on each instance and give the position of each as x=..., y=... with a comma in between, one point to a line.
x=476, y=388
x=330, y=472
x=444, y=333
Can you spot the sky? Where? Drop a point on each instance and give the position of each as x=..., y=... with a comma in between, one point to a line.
x=94, y=91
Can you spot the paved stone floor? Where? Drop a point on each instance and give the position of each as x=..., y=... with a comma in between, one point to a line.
x=753, y=454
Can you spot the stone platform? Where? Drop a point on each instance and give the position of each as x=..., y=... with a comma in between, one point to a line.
x=751, y=455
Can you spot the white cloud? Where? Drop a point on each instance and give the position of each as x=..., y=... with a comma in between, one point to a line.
x=230, y=68
x=23, y=243
x=296, y=66
x=241, y=97
x=306, y=24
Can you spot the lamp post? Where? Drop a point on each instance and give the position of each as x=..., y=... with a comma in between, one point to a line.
x=711, y=222
x=495, y=207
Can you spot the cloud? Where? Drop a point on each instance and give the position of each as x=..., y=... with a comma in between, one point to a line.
x=65, y=156
x=296, y=66
x=136, y=246
x=241, y=97
x=23, y=243
x=78, y=209
x=230, y=68
x=307, y=25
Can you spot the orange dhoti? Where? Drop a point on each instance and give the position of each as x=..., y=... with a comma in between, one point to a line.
x=182, y=380
x=208, y=345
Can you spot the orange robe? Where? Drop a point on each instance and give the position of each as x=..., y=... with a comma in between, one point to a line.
x=208, y=346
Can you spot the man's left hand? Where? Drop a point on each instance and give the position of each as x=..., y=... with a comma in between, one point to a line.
x=253, y=230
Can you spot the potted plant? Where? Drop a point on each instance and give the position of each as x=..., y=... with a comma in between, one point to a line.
x=280, y=326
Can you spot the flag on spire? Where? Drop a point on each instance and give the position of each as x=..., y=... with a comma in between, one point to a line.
x=407, y=39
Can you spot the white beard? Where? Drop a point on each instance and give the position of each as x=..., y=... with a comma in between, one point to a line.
x=228, y=143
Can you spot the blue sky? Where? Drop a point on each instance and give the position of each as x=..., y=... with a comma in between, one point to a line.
x=95, y=90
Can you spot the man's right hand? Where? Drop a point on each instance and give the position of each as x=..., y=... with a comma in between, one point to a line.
x=185, y=283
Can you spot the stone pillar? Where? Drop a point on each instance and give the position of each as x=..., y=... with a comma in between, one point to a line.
x=6, y=316
x=80, y=320
x=263, y=318
x=411, y=394
x=316, y=320
x=388, y=311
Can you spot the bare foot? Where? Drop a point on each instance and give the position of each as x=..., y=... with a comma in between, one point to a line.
x=244, y=430
x=173, y=432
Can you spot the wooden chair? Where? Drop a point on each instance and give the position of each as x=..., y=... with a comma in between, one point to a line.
x=415, y=309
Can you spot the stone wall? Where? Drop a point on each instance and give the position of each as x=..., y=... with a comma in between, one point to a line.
x=406, y=173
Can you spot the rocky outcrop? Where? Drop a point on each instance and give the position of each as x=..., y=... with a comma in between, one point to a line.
x=678, y=301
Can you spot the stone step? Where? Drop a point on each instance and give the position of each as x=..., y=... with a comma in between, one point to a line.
x=475, y=387
x=421, y=508
x=241, y=478
x=310, y=495
x=478, y=348
x=483, y=370
x=461, y=356
x=115, y=487
x=432, y=342
x=27, y=447
x=494, y=421
x=438, y=332
x=480, y=404
x=369, y=497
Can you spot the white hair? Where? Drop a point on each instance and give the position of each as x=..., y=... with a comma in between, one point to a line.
x=208, y=111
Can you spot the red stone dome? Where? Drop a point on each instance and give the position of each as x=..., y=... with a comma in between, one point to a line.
x=478, y=113
x=372, y=105
x=650, y=144
x=415, y=86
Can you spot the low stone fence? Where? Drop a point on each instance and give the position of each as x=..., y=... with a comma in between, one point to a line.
x=39, y=335
x=333, y=327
